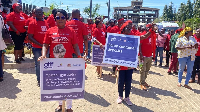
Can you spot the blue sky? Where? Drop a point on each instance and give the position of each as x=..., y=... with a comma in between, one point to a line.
x=80, y=4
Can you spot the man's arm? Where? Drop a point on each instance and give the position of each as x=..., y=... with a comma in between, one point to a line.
x=86, y=44
x=30, y=37
x=76, y=49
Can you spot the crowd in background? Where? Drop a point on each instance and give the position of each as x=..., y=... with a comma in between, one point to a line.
x=56, y=36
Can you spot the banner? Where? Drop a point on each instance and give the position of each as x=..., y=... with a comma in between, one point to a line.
x=121, y=50
x=62, y=78
x=97, y=56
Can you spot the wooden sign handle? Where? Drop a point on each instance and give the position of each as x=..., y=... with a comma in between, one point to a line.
x=63, y=106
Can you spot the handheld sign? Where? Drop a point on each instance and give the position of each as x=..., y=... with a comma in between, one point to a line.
x=121, y=50
x=97, y=56
x=62, y=78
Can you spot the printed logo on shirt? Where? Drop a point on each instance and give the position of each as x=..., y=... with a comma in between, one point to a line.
x=60, y=40
x=44, y=28
x=59, y=51
x=48, y=65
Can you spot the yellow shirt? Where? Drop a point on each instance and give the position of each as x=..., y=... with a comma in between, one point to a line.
x=184, y=42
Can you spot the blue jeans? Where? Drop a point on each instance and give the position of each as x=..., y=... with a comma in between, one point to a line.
x=160, y=51
x=89, y=48
x=37, y=52
x=182, y=62
x=1, y=68
x=125, y=77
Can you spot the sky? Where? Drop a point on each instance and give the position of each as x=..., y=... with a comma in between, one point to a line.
x=80, y=4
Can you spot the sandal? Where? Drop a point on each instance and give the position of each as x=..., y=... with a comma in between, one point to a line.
x=179, y=85
x=188, y=87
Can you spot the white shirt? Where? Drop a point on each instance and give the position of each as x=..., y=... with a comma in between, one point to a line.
x=184, y=42
x=2, y=43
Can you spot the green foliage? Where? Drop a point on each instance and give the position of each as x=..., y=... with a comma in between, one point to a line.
x=196, y=12
x=95, y=10
x=189, y=10
x=169, y=13
x=193, y=23
x=51, y=7
x=181, y=13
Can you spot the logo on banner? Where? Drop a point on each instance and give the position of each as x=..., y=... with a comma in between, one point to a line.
x=60, y=65
x=77, y=65
x=48, y=65
x=69, y=65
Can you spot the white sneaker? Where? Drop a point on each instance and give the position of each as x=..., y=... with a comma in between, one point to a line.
x=119, y=100
x=128, y=102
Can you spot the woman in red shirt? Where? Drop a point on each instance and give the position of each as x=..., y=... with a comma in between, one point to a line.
x=63, y=42
x=16, y=21
x=99, y=37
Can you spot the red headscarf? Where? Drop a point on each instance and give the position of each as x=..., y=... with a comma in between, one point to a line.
x=179, y=30
x=122, y=19
x=125, y=24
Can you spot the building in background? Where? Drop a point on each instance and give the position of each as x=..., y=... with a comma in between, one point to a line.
x=136, y=12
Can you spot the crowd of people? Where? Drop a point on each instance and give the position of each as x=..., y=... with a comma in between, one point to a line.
x=59, y=37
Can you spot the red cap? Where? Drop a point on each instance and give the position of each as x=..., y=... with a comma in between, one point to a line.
x=148, y=25
x=15, y=5
x=179, y=30
x=125, y=24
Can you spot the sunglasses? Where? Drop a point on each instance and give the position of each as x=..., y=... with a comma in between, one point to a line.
x=58, y=17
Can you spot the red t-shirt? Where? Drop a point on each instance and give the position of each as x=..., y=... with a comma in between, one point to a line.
x=18, y=21
x=38, y=29
x=89, y=29
x=100, y=35
x=115, y=29
x=4, y=16
x=61, y=42
x=109, y=29
x=80, y=30
x=51, y=21
x=103, y=27
x=25, y=15
x=198, y=41
x=146, y=47
x=167, y=42
x=29, y=20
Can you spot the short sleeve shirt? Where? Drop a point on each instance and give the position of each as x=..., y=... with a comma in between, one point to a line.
x=18, y=21
x=100, y=35
x=38, y=29
x=161, y=40
x=184, y=42
x=51, y=21
x=80, y=30
x=61, y=42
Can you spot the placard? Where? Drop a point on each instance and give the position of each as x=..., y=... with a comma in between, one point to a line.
x=62, y=78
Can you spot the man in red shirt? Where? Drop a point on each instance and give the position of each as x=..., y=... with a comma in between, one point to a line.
x=36, y=33
x=146, y=57
x=30, y=19
x=89, y=26
x=4, y=14
x=80, y=30
x=197, y=59
x=111, y=25
x=167, y=46
x=116, y=28
x=51, y=21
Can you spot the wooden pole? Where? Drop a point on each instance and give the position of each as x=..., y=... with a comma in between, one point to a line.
x=63, y=106
x=117, y=76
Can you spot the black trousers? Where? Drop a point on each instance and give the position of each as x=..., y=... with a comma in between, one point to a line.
x=167, y=57
x=196, y=65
